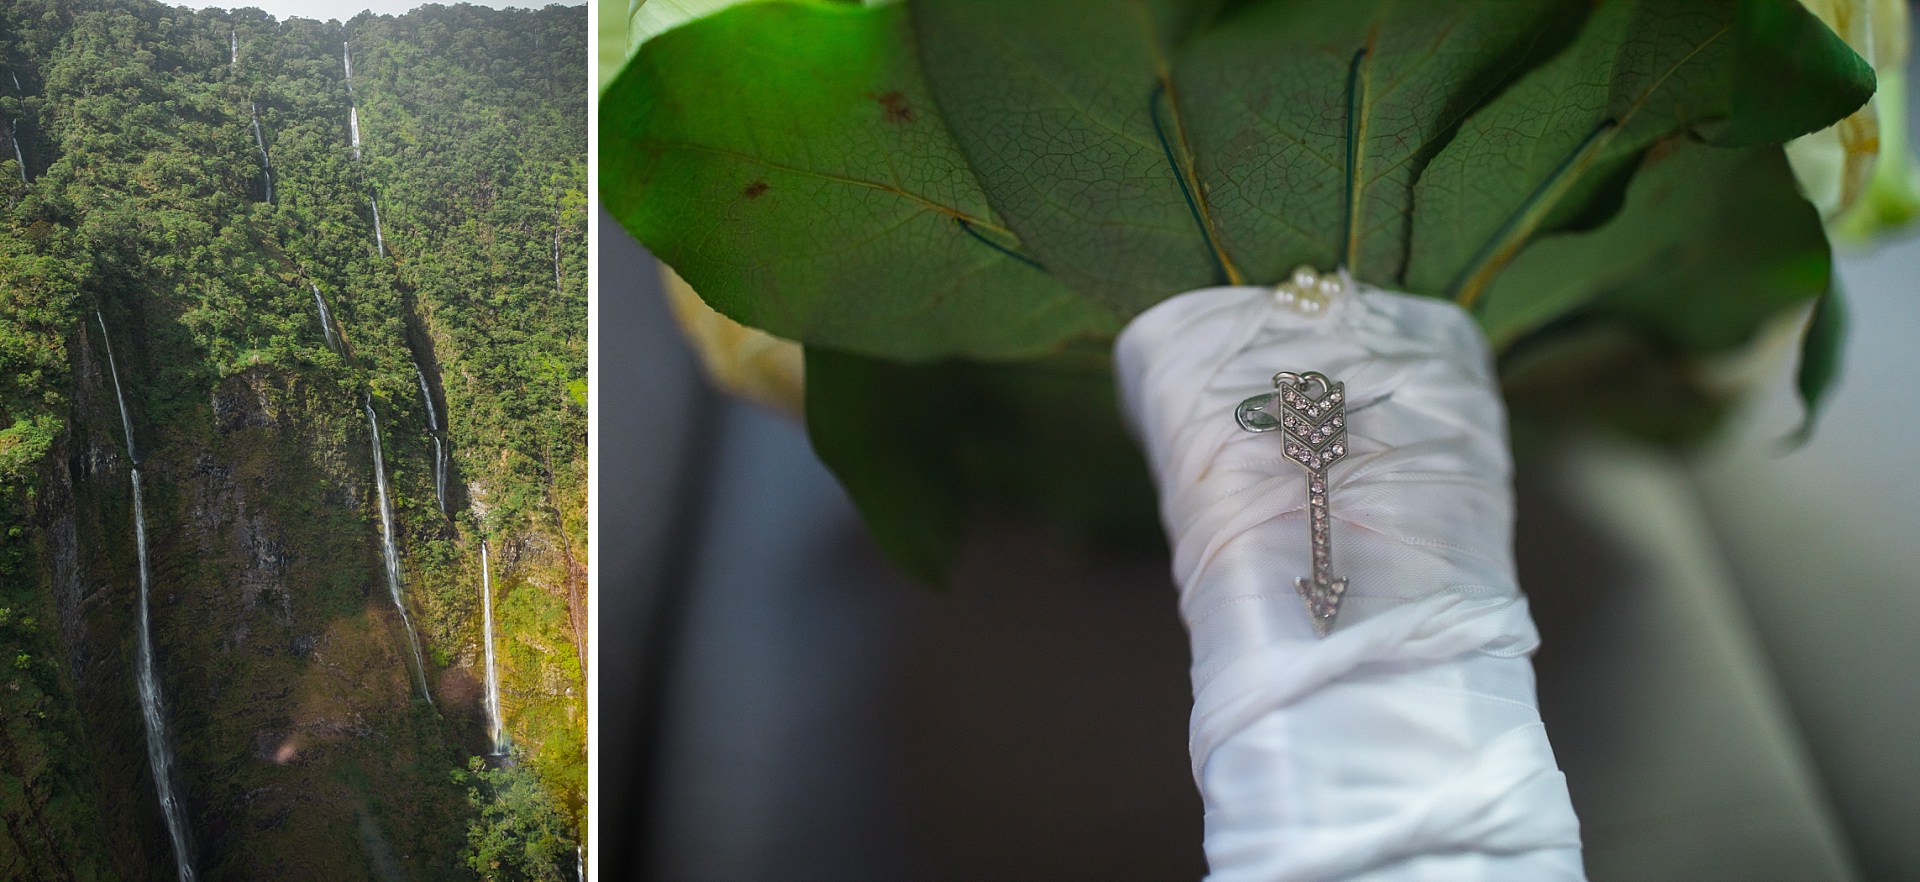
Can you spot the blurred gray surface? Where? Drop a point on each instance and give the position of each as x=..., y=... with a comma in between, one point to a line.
x=1825, y=544
x=1680, y=754
x=652, y=408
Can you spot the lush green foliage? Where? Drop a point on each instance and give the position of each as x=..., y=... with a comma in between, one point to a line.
x=302, y=752
x=1126, y=150
x=521, y=834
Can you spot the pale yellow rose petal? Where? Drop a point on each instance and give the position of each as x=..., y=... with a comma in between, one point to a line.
x=747, y=362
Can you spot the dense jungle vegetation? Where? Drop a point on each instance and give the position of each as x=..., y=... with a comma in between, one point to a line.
x=186, y=188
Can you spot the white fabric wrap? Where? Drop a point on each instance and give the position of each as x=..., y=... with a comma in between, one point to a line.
x=1407, y=745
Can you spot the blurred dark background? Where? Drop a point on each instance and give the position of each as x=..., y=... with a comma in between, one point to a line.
x=1730, y=673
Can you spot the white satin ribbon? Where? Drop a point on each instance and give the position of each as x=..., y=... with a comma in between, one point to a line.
x=1407, y=745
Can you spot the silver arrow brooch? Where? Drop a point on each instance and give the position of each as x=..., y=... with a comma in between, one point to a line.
x=1313, y=424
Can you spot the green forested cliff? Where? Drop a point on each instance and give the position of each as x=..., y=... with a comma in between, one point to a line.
x=192, y=196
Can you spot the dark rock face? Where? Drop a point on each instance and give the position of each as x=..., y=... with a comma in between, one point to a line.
x=243, y=402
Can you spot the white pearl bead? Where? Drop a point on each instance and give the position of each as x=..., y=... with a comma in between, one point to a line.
x=1305, y=278
x=1330, y=287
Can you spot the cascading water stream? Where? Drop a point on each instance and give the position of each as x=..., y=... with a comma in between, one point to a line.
x=433, y=416
x=438, y=433
x=440, y=472
x=353, y=126
x=390, y=554
x=13, y=135
x=233, y=47
x=260, y=141
x=152, y=709
x=379, y=238
x=496, y=727
x=346, y=59
x=13, y=129
x=326, y=319
x=557, y=287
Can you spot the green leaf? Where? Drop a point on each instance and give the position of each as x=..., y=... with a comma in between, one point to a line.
x=1820, y=358
x=1547, y=150
x=921, y=447
x=1068, y=114
x=1310, y=121
x=1760, y=253
x=1709, y=244
x=786, y=159
x=881, y=430
x=656, y=17
x=1604, y=372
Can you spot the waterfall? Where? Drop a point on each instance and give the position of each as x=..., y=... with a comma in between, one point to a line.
x=557, y=287
x=152, y=710
x=353, y=126
x=390, y=553
x=260, y=141
x=233, y=47
x=346, y=58
x=580, y=862
x=440, y=473
x=379, y=238
x=438, y=433
x=326, y=319
x=13, y=129
x=433, y=416
x=496, y=727
x=126, y=422
x=13, y=135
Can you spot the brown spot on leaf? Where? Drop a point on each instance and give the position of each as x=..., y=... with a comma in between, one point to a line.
x=754, y=189
x=896, y=107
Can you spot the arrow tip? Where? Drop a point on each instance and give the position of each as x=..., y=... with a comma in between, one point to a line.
x=1323, y=601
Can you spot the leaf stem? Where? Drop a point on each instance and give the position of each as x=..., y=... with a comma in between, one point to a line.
x=1228, y=273
x=969, y=230
x=1357, y=82
x=1526, y=217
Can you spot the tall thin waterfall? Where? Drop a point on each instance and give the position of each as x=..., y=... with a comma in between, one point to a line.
x=496, y=727
x=326, y=319
x=438, y=433
x=433, y=416
x=13, y=129
x=440, y=472
x=152, y=710
x=353, y=126
x=390, y=553
x=346, y=59
x=13, y=135
x=557, y=287
x=260, y=141
x=233, y=47
x=379, y=238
